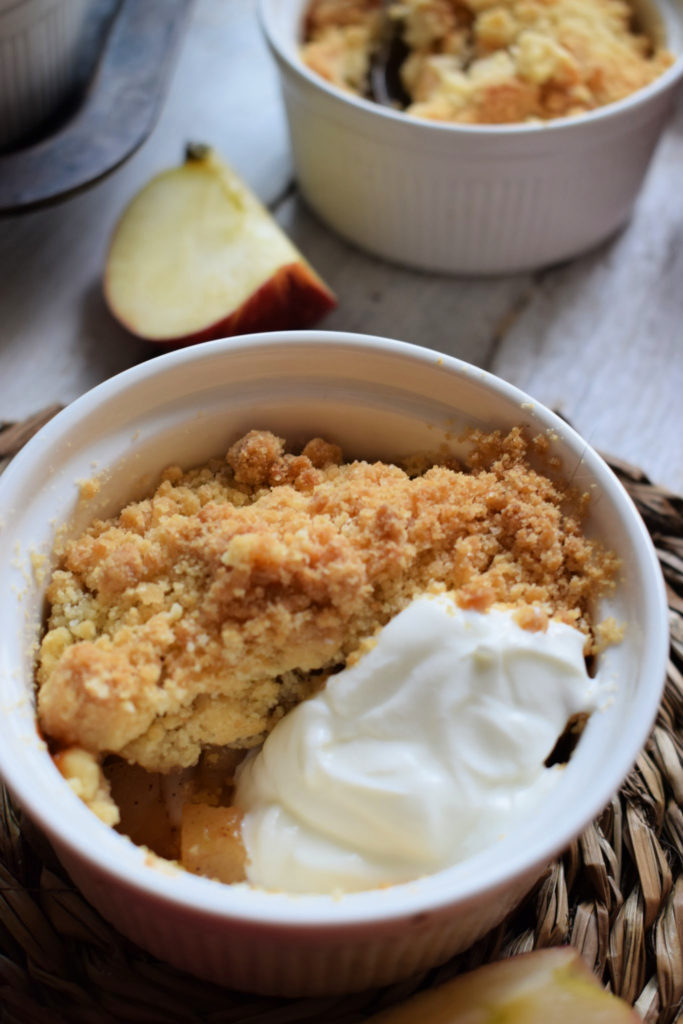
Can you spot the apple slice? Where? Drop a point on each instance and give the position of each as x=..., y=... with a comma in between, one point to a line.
x=144, y=818
x=211, y=842
x=549, y=985
x=195, y=256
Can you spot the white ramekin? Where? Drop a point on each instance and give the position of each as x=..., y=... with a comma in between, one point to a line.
x=39, y=51
x=466, y=199
x=378, y=398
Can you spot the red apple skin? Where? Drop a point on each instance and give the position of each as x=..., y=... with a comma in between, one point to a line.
x=294, y=298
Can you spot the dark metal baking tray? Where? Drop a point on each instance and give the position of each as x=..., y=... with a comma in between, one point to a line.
x=124, y=76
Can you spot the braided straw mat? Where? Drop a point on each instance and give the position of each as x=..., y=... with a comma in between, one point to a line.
x=616, y=893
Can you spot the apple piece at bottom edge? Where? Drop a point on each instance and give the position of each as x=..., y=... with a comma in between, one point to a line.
x=548, y=986
x=196, y=256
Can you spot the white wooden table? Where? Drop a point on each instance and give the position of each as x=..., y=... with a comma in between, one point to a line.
x=600, y=339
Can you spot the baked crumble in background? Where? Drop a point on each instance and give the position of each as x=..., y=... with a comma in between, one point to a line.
x=491, y=61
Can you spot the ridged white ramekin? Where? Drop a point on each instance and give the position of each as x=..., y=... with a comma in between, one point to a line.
x=379, y=399
x=39, y=50
x=459, y=198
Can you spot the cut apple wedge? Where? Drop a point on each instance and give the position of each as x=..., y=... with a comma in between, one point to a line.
x=195, y=256
x=549, y=986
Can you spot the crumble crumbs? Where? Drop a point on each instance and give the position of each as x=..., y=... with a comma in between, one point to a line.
x=194, y=619
x=490, y=61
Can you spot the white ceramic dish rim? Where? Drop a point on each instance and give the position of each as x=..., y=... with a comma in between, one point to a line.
x=609, y=112
x=87, y=838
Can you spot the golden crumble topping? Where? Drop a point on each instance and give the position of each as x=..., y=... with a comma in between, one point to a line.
x=491, y=61
x=195, y=618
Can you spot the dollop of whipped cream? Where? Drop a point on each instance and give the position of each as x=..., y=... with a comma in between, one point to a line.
x=425, y=751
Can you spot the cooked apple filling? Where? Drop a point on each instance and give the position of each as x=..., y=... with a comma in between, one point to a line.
x=184, y=628
x=490, y=61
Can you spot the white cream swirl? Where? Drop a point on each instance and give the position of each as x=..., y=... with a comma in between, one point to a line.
x=425, y=751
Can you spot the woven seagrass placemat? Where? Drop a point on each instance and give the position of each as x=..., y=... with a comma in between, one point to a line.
x=616, y=893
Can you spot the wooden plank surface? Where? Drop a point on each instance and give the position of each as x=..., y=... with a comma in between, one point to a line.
x=600, y=338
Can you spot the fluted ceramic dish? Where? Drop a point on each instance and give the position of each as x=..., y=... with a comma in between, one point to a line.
x=39, y=54
x=379, y=399
x=468, y=199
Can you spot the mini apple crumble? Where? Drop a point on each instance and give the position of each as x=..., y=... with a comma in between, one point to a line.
x=182, y=630
x=490, y=61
